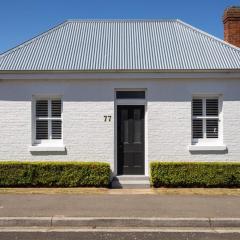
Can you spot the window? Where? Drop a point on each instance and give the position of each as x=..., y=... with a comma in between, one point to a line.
x=205, y=119
x=47, y=120
x=130, y=94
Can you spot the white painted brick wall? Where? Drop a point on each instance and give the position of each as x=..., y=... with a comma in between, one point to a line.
x=88, y=138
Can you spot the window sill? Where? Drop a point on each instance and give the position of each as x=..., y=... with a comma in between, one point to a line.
x=196, y=148
x=39, y=148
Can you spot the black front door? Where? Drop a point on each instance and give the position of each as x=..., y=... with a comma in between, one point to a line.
x=130, y=140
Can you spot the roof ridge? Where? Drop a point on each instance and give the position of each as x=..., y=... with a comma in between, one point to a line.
x=121, y=20
x=226, y=44
x=27, y=42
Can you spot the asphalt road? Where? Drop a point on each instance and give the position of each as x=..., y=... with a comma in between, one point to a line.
x=118, y=235
x=78, y=205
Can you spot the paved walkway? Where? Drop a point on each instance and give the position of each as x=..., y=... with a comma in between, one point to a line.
x=119, y=205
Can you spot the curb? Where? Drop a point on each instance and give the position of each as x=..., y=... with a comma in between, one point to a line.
x=108, y=222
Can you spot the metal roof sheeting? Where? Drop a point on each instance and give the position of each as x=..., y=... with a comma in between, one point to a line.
x=122, y=45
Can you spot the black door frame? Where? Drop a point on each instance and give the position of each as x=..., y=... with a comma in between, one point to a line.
x=144, y=135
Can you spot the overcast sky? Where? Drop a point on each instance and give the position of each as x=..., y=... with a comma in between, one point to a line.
x=21, y=20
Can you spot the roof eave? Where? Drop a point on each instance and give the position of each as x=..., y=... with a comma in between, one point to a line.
x=122, y=71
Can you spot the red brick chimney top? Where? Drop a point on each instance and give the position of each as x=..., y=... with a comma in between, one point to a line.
x=231, y=21
x=231, y=13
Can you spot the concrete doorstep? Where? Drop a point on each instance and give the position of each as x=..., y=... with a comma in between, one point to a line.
x=110, y=222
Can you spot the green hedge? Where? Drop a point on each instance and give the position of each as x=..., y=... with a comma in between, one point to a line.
x=54, y=174
x=172, y=174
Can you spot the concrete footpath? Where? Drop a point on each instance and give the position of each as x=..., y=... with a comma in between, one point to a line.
x=119, y=213
x=124, y=204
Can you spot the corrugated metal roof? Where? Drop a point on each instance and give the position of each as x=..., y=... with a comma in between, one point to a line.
x=122, y=45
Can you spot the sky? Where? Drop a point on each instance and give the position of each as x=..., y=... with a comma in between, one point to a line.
x=21, y=20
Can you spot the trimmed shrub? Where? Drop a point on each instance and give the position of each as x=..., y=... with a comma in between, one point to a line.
x=54, y=174
x=183, y=174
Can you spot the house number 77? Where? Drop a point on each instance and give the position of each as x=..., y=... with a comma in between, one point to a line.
x=107, y=118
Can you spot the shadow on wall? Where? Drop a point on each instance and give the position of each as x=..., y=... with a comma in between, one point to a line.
x=169, y=90
x=209, y=152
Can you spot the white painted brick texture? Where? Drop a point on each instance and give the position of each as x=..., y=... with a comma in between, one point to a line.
x=88, y=138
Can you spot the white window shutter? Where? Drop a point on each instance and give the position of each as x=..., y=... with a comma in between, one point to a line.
x=197, y=107
x=56, y=108
x=56, y=129
x=48, y=115
x=212, y=128
x=41, y=129
x=211, y=107
x=41, y=125
x=212, y=124
x=42, y=108
x=205, y=118
x=197, y=128
x=197, y=124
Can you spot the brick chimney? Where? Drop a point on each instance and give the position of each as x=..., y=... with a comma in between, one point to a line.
x=231, y=21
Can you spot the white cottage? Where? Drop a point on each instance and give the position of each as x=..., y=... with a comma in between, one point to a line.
x=126, y=92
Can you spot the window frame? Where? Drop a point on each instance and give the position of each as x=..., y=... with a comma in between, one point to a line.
x=204, y=117
x=49, y=141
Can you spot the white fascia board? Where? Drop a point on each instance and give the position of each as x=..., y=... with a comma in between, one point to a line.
x=119, y=75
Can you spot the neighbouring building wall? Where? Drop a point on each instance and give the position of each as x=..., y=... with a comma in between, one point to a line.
x=88, y=138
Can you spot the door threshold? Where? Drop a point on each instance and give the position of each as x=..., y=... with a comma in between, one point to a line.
x=130, y=181
x=125, y=175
